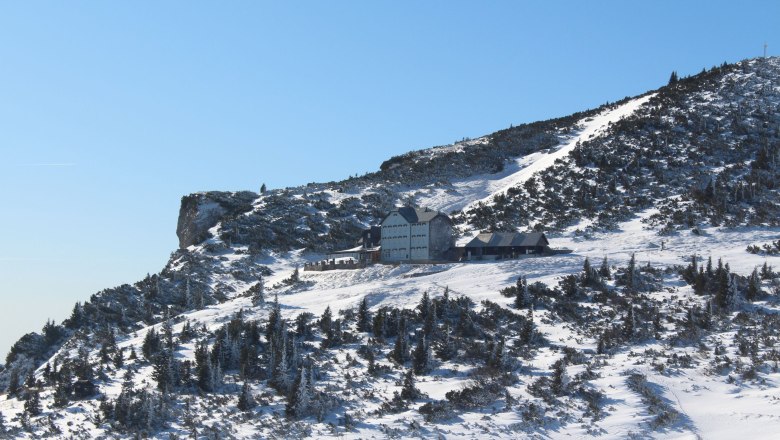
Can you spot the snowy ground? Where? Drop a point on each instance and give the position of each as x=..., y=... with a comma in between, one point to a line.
x=712, y=408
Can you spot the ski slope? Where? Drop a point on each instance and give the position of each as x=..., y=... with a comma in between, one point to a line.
x=465, y=193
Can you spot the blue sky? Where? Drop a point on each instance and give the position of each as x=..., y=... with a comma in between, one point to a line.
x=111, y=111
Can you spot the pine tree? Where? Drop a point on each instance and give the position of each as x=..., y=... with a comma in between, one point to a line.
x=203, y=367
x=732, y=293
x=47, y=374
x=700, y=285
x=32, y=405
x=691, y=271
x=368, y=353
x=82, y=367
x=690, y=321
x=587, y=273
x=216, y=375
x=465, y=326
x=157, y=288
x=421, y=356
x=409, y=390
x=334, y=337
x=300, y=398
x=528, y=327
x=379, y=325
x=628, y=324
x=151, y=344
x=76, y=319
x=425, y=305
x=766, y=272
x=163, y=371
x=400, y=350
x=604, y=271
x=262, y=188
x=560, y=380
x=119, y=358
x=707, y=318
x=167, y=329
x=447, y=349
x=498, y=356
x=722, y=295
x=754, y=287
x=521, y=294
x=658, y=327
x=274, y=325
x=258, y=292
x=187, y=294
x=63, y=388
x=429, y=324
x=631, y=274
x=326, y=321
x=245, y=399
x=364, y=317
x=30, y=381
x=673, y=78
x=296, y=276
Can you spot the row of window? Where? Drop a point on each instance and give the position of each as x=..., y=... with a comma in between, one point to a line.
x=387, y=237
x=387, y=251
x=414, y=225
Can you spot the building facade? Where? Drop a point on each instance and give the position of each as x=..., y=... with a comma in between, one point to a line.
x=497, y=245
x=416, y=235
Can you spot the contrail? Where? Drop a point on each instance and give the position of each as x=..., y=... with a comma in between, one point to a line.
x=47, y=164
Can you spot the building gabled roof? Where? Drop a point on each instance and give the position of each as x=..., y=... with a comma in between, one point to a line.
x=508, y=239
x=356, y=250
x=417, y=215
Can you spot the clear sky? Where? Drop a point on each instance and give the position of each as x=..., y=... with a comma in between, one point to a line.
x=111, y=111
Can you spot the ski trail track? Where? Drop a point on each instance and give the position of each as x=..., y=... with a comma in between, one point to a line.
x=533, y=163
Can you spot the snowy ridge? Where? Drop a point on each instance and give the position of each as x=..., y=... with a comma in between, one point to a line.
x=465, y=193
x=590, y=128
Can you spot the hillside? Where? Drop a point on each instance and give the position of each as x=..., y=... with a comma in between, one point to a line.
x=660, y=324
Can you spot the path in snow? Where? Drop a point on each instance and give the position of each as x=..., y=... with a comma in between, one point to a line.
x=464, y=193
x=591, y=127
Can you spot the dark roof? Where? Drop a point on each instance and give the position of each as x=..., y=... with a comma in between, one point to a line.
x=371, y=237
x=508, y=239
x=418, y=215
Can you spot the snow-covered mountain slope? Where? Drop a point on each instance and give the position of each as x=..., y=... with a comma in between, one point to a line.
x=703, y=150
x=622, y=338
x=709, y=405
x=465, y=193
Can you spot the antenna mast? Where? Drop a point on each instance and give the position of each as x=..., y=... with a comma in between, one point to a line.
x=765, y=49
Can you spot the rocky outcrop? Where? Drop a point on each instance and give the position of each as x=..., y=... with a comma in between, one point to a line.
x=200, y=212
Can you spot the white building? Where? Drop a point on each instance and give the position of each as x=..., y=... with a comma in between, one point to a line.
x=416, y=234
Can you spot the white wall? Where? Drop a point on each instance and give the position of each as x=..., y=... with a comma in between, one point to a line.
x=395, y=238
x=420, y=241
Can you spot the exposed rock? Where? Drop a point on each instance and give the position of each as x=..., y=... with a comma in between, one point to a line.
x=200, y=212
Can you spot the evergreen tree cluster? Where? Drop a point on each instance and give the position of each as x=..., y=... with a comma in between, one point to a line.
x=727, y=289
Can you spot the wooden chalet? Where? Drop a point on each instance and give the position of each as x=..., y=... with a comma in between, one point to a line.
x=499, y=245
